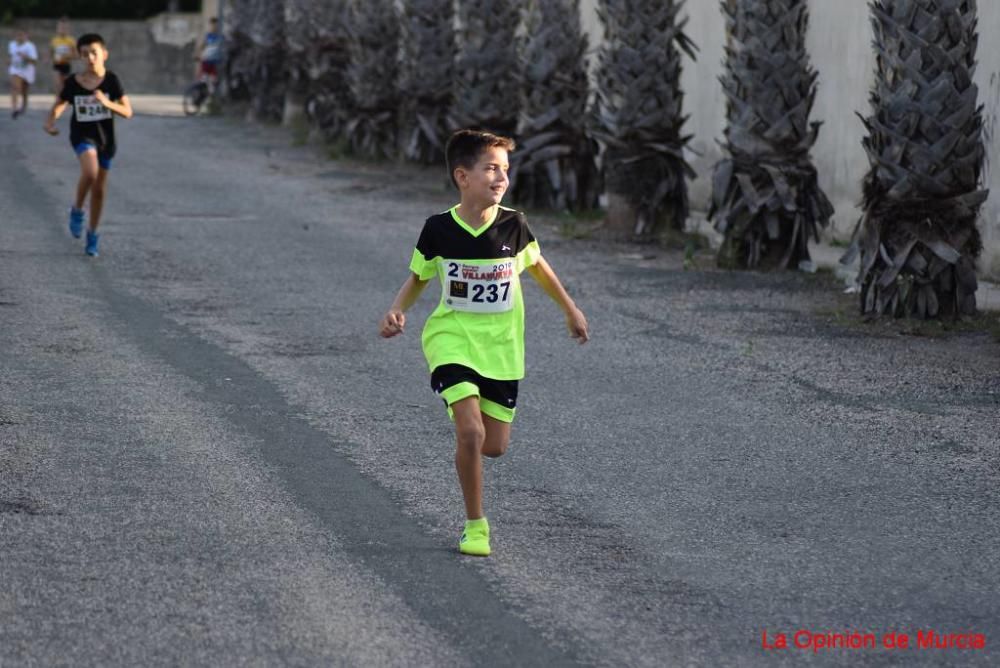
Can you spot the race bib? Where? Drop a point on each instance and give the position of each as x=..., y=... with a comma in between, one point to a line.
x=62, y=52
x=88, y=109
x=479, y=288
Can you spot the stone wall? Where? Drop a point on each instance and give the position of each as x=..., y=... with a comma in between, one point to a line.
x=153, y=56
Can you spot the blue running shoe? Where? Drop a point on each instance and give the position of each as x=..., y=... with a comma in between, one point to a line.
x=75, y=222
x=92, y=239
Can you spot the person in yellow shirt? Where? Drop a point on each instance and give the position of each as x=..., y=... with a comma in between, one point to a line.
x=63, y=50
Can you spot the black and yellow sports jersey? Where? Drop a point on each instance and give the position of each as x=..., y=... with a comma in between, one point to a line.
x=479, y=320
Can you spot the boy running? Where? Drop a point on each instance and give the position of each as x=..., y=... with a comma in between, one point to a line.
x=474, y=339
x=62, y=47
x=96, y=95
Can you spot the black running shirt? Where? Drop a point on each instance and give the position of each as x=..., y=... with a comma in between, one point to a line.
x=92, y=122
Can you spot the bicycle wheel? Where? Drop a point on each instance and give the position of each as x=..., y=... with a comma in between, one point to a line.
x=194, y=97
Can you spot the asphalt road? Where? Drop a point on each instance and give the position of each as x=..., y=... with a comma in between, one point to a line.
x=208, y=457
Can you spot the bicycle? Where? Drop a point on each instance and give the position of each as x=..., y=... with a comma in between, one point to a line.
x=197, y=94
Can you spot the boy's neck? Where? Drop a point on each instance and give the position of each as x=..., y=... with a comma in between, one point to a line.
x=475, y=216
x=98, y=71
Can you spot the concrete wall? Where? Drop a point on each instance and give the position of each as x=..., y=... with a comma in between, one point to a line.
x=839, y=42
x=153, y=56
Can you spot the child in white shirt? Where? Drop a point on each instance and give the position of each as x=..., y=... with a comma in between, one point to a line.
x=23, y=55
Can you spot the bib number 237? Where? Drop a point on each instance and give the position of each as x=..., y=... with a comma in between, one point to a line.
x=479, y=288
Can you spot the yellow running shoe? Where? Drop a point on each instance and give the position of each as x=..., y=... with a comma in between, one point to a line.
x=475, y=538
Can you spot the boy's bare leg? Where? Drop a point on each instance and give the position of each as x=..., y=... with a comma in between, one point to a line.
x=15, y=88
x=24, y=95
x=88, y=176
x=97, y=198
x=470, y=435
x=497, y=436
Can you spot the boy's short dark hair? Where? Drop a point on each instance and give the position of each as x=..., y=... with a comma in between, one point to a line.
x=90, y=38
x=465, y=146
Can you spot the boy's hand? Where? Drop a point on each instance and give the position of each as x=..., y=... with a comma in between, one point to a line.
x=392, y=324
x=51, y=129
x=577, y=325
x=101, y=97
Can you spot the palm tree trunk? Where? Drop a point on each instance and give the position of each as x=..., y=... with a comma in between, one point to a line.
x=372, y=73
x=316, y=36
x=639, y=117
x=555, y=166
x=486, y=73
x=266, y=29
x=766, y=200
x=428, y=66
x=917, y=238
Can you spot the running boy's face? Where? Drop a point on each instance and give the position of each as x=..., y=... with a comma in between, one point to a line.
x=485, y=182
x=94, y=55
x=20, y=36
x=62, y=28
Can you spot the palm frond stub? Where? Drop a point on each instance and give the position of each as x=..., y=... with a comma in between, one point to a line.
x=638, y=116
x=766, y=199
x=486, y=72
x=555, y=164
x=428, y=68
x=917, y=238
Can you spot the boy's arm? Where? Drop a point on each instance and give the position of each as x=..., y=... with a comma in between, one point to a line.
x=549, y=282
x=57, y=109
x=122, y=107
x=395, y=318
